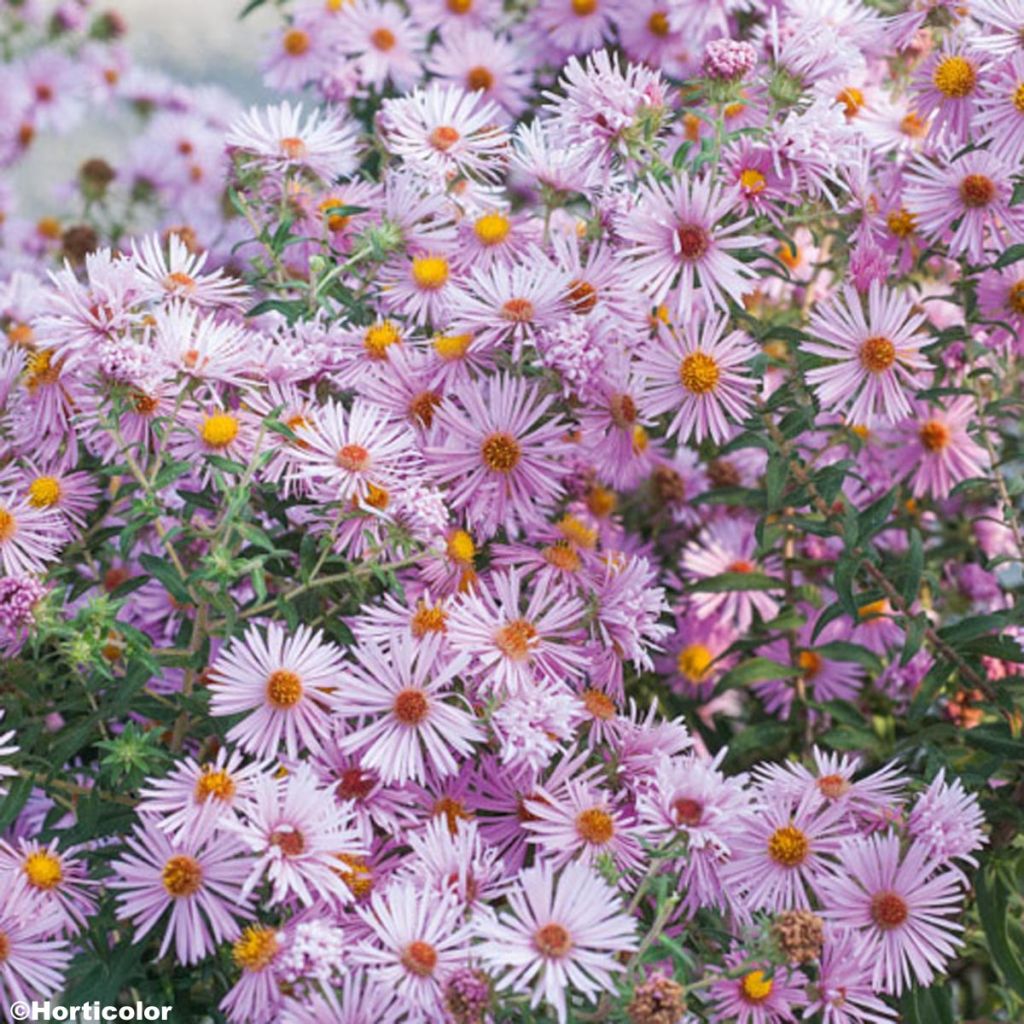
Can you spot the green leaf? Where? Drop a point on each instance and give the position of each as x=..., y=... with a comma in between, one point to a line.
x=775, y=482
x=875, y=516
x=756, y=670
x=1010, y=255
x=914, y=638
x=914, y=567
x=993, y=898
x=971, y=628
x=927, y=1006
x=162, y=570
x=840, y=650
x=728, y=581
x=842, y=583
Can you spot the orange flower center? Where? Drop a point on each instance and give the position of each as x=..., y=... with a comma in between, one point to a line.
x=935, y=435
x=889, y=910
x=810, y=663
x=479, y=79
x=977, y=190
x=419, y=958
x=383, y=39
x=515, y=639
x=8, y=525
x=657, y=24
x=443, y=137
x=832, y=787
x=428, y=619
x=216, y=783
x=517, y=311
x=501, y=453
x=296, y=42
x=352, y=457
x=877, y=354
x=255, y=949
x=552, y=940
x=599, y=704
x=582, y=297
x=595, y=826
x=699, y=373
x=182, y=876
x=411, y=707
x=954, y=77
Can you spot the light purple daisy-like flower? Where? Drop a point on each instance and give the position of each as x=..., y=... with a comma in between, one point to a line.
x=876, y=357
x=936, y=450
x=964, y=201
x=349, y=452
x=727, y=546
x=778, y=860
x=200, y=882
x=903, y=906
x=58, y=877
x=282, y=141
x=947, y=821
x=19, y=598
x=356, y=1000
x=949, y=84
x=416, y=940
x=680, y=241
x=171, y=270
x=514, y=648
x=1001, y=110
x=34, y=961
x=499, y=455
x=758, y=996
x=699, y=374
x=558, y=932
x=296, y=834
x=442, y=131
x=844, y=994
x=29, y=536
x=407, y=723
x=194, y=799
x=286, y=681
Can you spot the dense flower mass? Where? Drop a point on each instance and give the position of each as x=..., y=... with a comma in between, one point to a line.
x=523, y=526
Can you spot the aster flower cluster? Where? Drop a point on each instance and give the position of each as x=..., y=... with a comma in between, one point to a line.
x=524, y=525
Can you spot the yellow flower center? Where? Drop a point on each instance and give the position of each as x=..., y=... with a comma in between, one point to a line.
x=599, y=704
x=182, y=876
x=577, y=531
x=1018, y=98
x=954, y=77
x=379, y=338
x=877, y=354
x=492, y=228
x=43, y=870
x=852, y=100
x=44, y=491
x=256, y=948
x=752, y=180
x=460, y=6
x=693, y=662
x=583, y=8
x=500, y=452
x=216, y=783
x=461, y=547
x=284, y=688
x=699, y=373
x=450, y=347
x=901, y=222
x=755, y=987
x=595, y=826
x=219, y=430
x=428, y=619
x=934, y=435
x=430, y=272
x=788, y=846
x=562, y=556
x=810, y=663
x=356, y=874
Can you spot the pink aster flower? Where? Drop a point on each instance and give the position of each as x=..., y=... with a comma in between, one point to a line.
x=497, y=453
x=416, y=939
x=34, y=960
x=935, y=448
x=778, y=860
x=384, y=41
x=727, y=546
x=205, y=347
x=903, y=906
x=974, y=191
x=172, y=271
x=759, y=996
x=949, y=83
x=58, y=877
x=29, y=536
x=681, y=242
x=409, y=724
x=302, y=54
x=357, y=1000
x=287, y=682
x=280, y=140
x=346, y=453
x=699, y=373
x=442, y=131
x=876, y=358
x=195, y=799
x=200, y=882
x=296, y=834
x=558, y=933
x=581, y=822
x=844, y=994
x=512, y=647
x=1001, y=296
x=947, y=821
x=576, y=27
x=1000, y=114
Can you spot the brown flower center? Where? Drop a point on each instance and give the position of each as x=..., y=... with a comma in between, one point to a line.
x=500, y=452
x=182, y=876
x=788, y=846
x=687, y=811
x=877, y=354
x=284, y=688
x=552, y=940
x=934, y=435
x=889, y=910
x=977, y=190
x=694, y=241
x=411, y=706
x=419, y=958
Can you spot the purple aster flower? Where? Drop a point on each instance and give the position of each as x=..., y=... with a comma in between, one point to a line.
x=759, y=996
x=19, y=596
x=903, y=906
x=200, y=882
x=557, y=933
x=875, y=357
x=844, y=994
x=947, y=821
x=680, y=240
x=728, y=59
x=34, y=960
